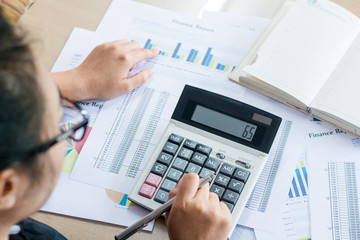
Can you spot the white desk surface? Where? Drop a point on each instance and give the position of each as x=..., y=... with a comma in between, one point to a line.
x=51, y=21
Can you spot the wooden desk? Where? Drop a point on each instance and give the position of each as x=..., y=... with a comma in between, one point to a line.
x=50, y=22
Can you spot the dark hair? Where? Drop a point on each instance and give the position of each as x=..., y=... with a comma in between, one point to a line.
x=21, y=100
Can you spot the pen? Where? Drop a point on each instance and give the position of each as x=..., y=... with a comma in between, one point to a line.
x=128, y=232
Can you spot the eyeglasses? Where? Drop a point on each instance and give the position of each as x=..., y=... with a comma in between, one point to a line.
x=75, y=127
x=76, y=120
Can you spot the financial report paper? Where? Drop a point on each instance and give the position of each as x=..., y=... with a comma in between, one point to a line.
x=334, y=174
x=78, y=199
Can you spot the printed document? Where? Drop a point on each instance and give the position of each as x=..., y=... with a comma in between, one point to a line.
x=77, y=199
x=334, y=174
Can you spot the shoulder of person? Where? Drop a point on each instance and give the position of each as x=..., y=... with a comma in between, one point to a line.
x=31, y=229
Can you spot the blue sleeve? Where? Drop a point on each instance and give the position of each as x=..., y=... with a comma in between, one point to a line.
x=32, y=229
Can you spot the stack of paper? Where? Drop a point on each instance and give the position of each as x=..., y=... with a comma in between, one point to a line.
x=199, y=52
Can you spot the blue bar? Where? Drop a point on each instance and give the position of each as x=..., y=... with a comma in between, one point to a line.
x=194, y=56
x=176, y=50
x=208, y=60
x=222, y=67
x=163, y=53
x=177, y=57
x=295, y=188
x=147, y=43
x=233, y=68
x=290, y=194
x=204, y=61
x=160, y=52
x=305, y=175
x=300, y=182
x=190, y=55
x=150, y=46
x=218, y=66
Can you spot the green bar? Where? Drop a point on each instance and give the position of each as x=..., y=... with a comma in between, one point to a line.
x=154, y=46
x=197, y=60
x=227, y=68
x=167, y=54
x=212, y=63
x=181, y=57
x=302, y=164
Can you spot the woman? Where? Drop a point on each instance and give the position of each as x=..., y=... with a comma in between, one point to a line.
x=32, y=146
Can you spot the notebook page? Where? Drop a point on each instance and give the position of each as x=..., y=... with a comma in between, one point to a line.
x=340, y=95
x=305, y=47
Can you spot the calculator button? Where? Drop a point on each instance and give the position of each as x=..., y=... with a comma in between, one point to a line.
x=170, y=148
x=159, y=169
x=212, y=164
x=229, y=205
x=147, y=191
x=190, y=144
x=203, y=149
x=168, y=185
x=205, y=172
x=231, y=196
x=227, y=169
x=199, y=158
x=236, y=186
x=241, y=174
x=174, y=174
x=185, y=153
x=217, y=189
x=153, y=180
x=222, y=180
x=180, y=164
x=165, y=158
x=243, y=164
x=193, y=168
x=176, y=139
x=220, y=155
x=161, y=196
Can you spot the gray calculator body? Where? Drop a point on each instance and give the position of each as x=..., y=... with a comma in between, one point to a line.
x=209, y=133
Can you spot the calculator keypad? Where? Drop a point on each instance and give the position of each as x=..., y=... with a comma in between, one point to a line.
x=180, y=156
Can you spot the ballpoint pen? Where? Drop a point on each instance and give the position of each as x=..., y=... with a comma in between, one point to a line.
x=128, y=232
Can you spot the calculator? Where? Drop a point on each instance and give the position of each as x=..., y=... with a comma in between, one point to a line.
x=209, y=133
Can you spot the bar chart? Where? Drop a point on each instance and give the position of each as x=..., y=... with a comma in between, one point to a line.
x=193, y=55
x=299, y=184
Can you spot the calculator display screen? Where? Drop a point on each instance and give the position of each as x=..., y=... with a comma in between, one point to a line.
x=224, y=123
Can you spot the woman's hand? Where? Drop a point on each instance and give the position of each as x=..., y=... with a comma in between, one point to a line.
x=197, y=214
x=104, y=73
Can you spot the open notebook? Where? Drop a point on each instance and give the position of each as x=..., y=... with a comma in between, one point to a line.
x=309, y=58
